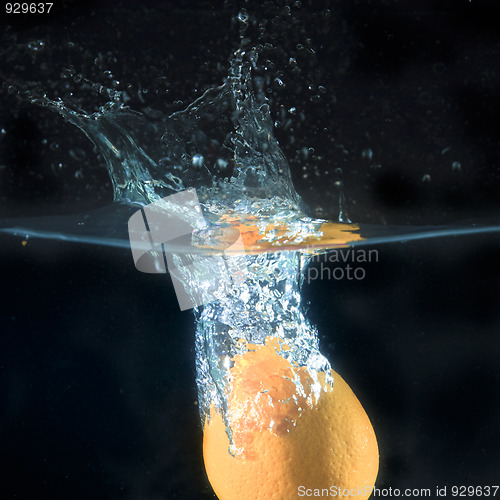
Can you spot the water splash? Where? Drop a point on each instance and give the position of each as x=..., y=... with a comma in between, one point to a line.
x=223, y=145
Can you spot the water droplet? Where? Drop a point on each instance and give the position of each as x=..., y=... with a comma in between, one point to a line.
x=78, y=174
x=338, y=171
x=426, y=178
x=243, y=16
x=456, y=166
x=292, y=110
x=197, y=161
x=367, y=154
x=36, y=45
x=98, y=87
x=221, y=163
x=279, y=82
x=66, y=73
x=344, y=218
x=446, y=150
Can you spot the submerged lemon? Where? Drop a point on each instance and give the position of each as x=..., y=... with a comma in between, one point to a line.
x=288, y=442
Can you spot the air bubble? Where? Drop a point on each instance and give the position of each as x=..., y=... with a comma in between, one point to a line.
x=456, y=166
x=426, y=178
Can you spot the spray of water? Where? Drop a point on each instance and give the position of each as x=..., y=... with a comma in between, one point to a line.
x=223, y=146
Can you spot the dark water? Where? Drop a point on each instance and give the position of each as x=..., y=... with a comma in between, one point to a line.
x=97, y=365
x=98, y=369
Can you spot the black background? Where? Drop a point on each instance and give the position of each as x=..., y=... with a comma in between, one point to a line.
x=97, y=381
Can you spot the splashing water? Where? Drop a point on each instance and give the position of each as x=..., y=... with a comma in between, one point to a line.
x=223, y=145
